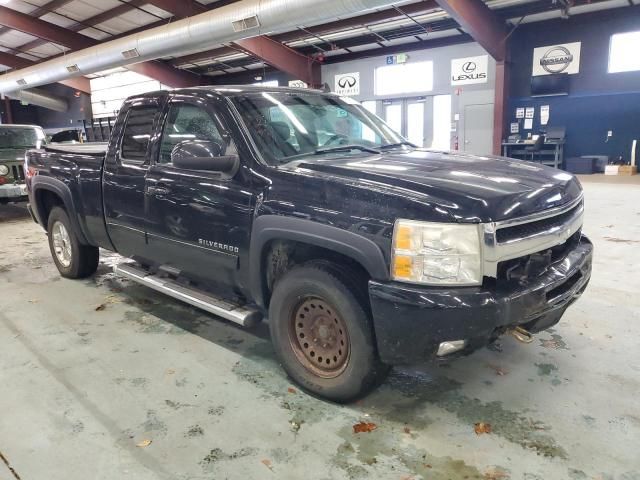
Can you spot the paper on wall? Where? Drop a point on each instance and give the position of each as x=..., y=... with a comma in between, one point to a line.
x=515, y=127
x=519, y=112
x=544, y=114
x=528, y=123
x=529, y=112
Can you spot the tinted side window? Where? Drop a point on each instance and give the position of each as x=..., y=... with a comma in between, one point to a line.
x=137, y=133
x=188, y=122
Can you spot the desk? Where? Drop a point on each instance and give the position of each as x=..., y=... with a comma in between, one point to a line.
x=551, y=153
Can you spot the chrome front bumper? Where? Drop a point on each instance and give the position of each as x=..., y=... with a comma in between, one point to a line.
x=13, y=191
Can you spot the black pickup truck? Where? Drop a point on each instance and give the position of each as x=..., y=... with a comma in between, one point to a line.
x=362, y=250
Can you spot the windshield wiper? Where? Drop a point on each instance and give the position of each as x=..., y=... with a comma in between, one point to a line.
x=345, y=148
x=396, y=145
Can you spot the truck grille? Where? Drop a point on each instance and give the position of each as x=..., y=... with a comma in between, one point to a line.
x=18, y=172
x=524, y=230
x=527, y=245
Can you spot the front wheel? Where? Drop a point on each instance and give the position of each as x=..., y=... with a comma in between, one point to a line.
x=322, y=333
x=72, y=259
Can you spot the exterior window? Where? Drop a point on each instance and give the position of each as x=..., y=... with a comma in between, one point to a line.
x=404, y=78
x=137, y=133
x=623, y=52
x=189, y=122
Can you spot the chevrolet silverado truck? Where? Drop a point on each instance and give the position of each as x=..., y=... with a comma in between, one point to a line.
x=362, y=250
x=15, y=140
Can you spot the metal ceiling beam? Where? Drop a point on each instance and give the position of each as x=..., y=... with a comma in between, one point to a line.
x=78, y=83
x=283, y=58
x=477, y=19
x=76, y=41
x=330, y=27
x=92, y=21
x=43, y=10
x=39, y=28
x=179, y=8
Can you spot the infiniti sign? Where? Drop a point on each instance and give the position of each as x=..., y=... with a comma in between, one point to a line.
x=348, y=84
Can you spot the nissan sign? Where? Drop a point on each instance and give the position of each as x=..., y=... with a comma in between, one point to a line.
x=554, y=59
x=465, y=71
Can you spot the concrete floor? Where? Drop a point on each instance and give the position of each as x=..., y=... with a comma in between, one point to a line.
x=84, y=391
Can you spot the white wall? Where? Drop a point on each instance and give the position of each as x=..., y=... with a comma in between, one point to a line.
x=441, y=57
x=110, y=90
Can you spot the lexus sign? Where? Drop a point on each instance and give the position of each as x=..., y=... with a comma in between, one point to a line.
x=348, y=84
x=564, y=58
x=466, y=71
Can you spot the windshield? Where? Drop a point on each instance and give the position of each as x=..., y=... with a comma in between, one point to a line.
x=18, y=137
x=287, y=126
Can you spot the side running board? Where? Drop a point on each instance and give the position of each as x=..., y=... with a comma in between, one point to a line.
x=243, y=315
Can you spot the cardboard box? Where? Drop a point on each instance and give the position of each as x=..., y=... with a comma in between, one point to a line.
x=611, y=169
x=627, y=170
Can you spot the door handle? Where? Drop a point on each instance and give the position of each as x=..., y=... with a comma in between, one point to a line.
x=157, y=190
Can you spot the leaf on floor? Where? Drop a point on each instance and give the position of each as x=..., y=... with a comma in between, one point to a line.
x=496, y=474
x=407, y=430
x=481, y=428
x=291, y=390
x=499, y=370
x=364, y=427
x=143, y=443
x=101, y=307
x=267, y=463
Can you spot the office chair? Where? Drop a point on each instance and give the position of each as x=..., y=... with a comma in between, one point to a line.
x=536, y=147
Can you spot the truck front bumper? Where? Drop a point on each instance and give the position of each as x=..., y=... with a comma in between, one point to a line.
x=412, y=322
x=13, y=192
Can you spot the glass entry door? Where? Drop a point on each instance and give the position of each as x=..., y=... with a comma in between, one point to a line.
x=408, y=117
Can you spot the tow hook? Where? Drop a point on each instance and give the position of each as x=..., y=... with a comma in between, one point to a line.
x=521, y=335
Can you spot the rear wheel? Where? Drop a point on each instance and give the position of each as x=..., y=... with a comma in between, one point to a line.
x=322, y=333
x=72, y=259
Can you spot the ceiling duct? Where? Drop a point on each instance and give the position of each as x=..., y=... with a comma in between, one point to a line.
x=232, y=22
x=35, y=96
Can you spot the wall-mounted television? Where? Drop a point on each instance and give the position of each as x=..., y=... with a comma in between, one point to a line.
x=549, y=85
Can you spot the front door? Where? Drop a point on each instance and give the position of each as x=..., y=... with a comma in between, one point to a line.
x=126, y=166
x=199, y=221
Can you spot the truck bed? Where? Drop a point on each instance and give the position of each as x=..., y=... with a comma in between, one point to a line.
x=96, y=149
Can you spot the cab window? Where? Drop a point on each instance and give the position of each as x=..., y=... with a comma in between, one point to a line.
x=137, y=133
x=187, y=122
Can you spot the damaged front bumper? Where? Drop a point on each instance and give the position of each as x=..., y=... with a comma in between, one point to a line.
x=412, y=322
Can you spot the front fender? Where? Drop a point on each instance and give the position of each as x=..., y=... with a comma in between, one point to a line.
x=276, y=227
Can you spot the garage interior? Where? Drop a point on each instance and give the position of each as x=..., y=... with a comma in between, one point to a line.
x=104, y=378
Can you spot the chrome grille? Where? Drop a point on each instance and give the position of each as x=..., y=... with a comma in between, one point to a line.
x=528, y=235
x=17, y=172
x=524, y=230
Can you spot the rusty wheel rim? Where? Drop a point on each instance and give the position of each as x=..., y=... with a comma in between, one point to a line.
x=319, y=338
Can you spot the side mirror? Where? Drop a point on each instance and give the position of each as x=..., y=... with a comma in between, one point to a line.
x=203, y=155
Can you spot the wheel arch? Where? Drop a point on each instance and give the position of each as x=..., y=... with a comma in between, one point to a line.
x=50, y=192
x=269, y=228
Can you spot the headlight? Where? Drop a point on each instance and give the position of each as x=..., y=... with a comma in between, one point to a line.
x=436, y=253
x=4, y=170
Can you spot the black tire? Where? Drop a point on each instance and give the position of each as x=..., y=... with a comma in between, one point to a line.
x=327, y=285
x=83, y=260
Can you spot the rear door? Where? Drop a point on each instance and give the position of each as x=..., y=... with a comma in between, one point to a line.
x=199, y=221
x=126, y=167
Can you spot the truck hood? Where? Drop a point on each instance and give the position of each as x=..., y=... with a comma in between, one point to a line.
x=471, y=188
